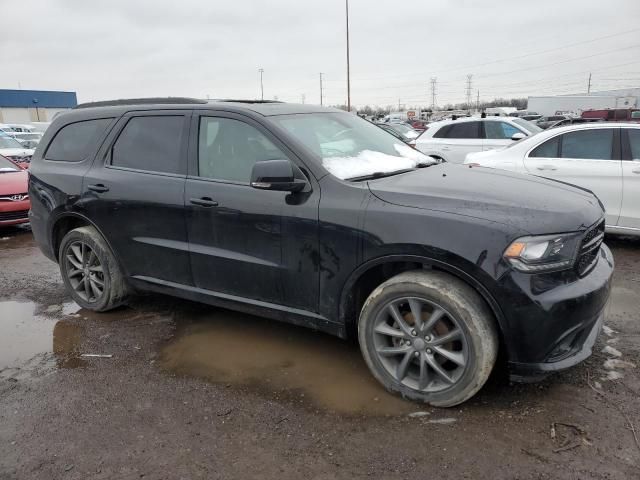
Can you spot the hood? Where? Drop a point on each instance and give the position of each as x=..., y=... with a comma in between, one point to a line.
x=533, y=204
x=13, y=182
x=481, y=156
x=16, y=152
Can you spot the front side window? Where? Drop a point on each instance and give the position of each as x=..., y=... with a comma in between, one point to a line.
x=74, y=142
x=228, y=149
x=500, y=130
x=589, y=144
x=464, y=130
x=350, y=147
x=150, y=143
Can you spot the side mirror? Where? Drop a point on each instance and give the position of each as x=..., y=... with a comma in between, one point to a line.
x=276, y=175
x=518, y=136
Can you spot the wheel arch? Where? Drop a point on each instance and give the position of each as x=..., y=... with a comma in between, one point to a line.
x=364, y=279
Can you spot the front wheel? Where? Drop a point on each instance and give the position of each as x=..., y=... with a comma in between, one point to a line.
x=428, y=336
x=90, y=271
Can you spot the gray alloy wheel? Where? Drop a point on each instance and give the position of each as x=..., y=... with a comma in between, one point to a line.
x=428, y=336
x=420, y=344
x=84, y=271
x=90, y=270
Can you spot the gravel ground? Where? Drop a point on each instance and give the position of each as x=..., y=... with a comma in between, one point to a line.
x=191, y=391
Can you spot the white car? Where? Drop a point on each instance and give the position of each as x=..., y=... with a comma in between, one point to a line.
x=602, y=157
x=13, y=150
x=452, y=140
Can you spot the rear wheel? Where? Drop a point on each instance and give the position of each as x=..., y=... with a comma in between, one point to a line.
x=90, y=271
x=429, y=337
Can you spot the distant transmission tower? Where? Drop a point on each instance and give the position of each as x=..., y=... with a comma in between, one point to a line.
x=434, y=80
x=469, y=79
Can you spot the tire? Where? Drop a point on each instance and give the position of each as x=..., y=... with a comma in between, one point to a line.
x=104, y=274
x=409, y=357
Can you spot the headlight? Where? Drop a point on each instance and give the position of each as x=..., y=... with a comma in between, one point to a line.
x=543, y=253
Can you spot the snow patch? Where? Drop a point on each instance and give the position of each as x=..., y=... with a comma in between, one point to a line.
x=443, y=421
x=613, y=375
x=609, y=350
x=368, y=162
x=608, y=331
x=419, y=414
x=614, y=363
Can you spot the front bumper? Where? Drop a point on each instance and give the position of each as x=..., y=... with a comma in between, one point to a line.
x=553, y=320
x=13, y=213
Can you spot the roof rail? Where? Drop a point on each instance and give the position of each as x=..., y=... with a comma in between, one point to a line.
x=143, y=101
x=233, y=100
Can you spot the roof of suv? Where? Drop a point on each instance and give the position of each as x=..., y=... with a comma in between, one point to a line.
x=262, y=107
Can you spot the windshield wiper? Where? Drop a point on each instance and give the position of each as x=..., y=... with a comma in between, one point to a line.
x=375, y=175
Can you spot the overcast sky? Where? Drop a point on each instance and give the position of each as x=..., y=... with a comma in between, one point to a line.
x=105, y=49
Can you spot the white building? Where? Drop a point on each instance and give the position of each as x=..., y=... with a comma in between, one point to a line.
x=577, y=103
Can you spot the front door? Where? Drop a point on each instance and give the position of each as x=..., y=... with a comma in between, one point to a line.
x=247, y=243
x=588, y=158
x=135, y=193
x=630, y=213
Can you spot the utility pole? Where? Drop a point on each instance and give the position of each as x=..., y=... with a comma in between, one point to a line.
x=348, y=62
x=469, y=79
x=589, y=85
x=320, y=88
x=478, y=102
x=433, y=93
x=261, y=70
x=398, y=104
x=303, y=97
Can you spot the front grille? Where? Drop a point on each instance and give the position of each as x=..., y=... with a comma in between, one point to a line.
x=589, y=248
x=15, y=197
x=15, y=215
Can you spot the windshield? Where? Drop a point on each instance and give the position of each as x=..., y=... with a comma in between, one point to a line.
x=8, y=142
x=7, y=166
x=350, y=147
x=527, y=125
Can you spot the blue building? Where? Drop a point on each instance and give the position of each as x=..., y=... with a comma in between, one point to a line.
x=25, y=106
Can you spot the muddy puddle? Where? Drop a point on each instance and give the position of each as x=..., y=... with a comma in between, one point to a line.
x=280, y=361
x=33, y=340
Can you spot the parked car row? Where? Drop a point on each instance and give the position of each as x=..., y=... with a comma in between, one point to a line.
x=603, y=157
x=14, y=196
x=27, y=135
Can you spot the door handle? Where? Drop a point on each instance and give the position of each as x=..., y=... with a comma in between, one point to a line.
x=204, y=202
x=99, y=188
x=546, y=167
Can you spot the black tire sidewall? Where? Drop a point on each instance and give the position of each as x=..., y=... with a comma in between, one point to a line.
x=103, y=256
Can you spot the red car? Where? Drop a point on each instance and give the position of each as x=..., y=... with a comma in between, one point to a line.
x=14, y=196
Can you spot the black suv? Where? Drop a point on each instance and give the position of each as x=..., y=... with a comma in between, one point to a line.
x=316, y=217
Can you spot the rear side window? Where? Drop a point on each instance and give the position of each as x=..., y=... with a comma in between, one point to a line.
x=548, y=149
x=150, y=143
x=589, y=144
x=499, y=130
x=74, y=142
x=464, y=130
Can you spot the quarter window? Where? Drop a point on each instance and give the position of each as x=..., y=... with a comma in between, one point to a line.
x=634, y=141
x=150, y=143
x=74, y=142
x=499, y=130
x=589, y=144
x=548, y=149
x=228, y=149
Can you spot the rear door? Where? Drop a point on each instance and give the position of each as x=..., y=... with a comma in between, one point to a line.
x=630, y=213
x=135, y=194
x=498, y=134
x=589, y=158
x=458, y=140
